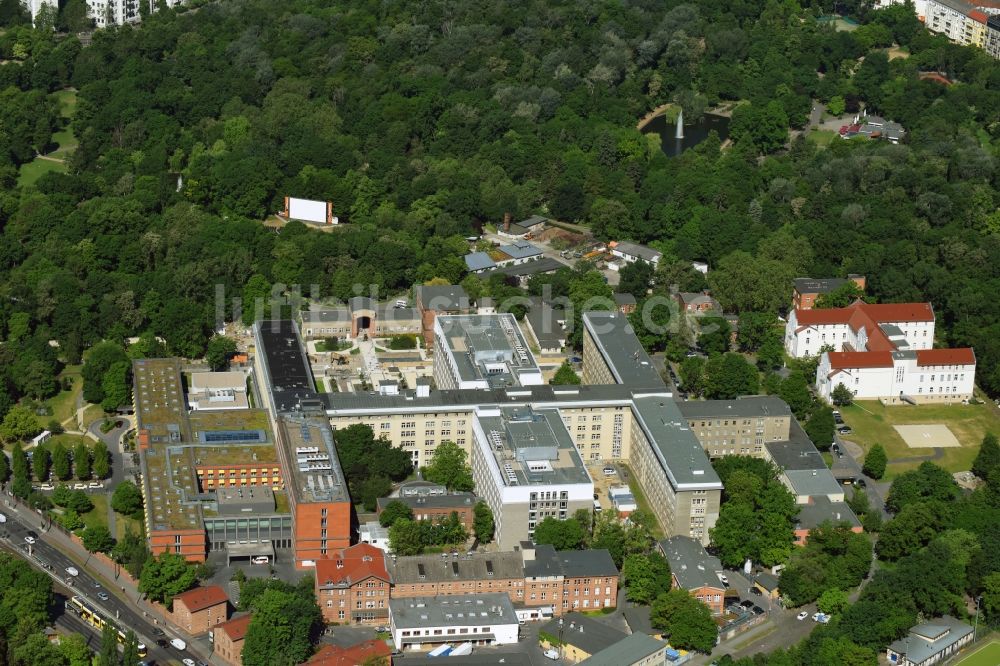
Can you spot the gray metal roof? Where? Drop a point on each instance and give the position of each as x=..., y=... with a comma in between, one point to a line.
x=533, y=221
x=534, y=267
x=691, y=564
x=630, y=650
x=452, y=611
x=442, y=298
x=636, y=250
x=813, y=482
x=931, y=638
x=521, y=249
x=549, y=562
x=544, y=322
x=682, y=456
x=442, y=569
x=334, y=315
x=467, y=399
x=478, y=261
x=583, y=632
x=753, y=406
x=821, y=509
x=449, y=501
x=797, y=453
x=621, y=349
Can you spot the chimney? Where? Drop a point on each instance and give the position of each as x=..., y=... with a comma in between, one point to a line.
x=506, y=221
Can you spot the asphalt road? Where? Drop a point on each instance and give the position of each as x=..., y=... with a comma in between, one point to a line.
x=83, y=585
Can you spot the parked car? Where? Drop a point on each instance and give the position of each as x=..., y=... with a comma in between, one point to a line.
x=187, y=661
x=844, y=430
x=803, y=615
x=79, y=486
x=260, y=559
x=95, y=485
x=72, y=571
x=609, y=471
x=724, y=579
x=551, y=654
x=757, y=610
x=161, y=643
x=178, y=643
x=383, y=629
x=860, y=483
x=103, y=596
x=754, y=590
x=746, y=603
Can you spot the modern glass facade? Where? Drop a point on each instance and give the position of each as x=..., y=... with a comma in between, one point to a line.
x=250, y=529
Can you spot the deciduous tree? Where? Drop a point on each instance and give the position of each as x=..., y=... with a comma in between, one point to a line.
x=449, y=467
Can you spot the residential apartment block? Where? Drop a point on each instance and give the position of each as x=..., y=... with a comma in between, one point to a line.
x=960, y=21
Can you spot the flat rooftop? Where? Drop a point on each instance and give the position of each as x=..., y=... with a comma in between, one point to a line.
x=599, y=394
x=488, y=347
x=445, y=568
x=315, y=474
x=465, y=610
x=753, y=406
x=533, y=447
x=676, y=446
x=616, y=340
x=288, y=379
x=177, y=442
x=797, y=453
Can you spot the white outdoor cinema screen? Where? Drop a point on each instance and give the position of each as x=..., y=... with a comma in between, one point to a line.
x=307, y=210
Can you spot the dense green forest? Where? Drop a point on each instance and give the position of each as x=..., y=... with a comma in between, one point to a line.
x=424, y=120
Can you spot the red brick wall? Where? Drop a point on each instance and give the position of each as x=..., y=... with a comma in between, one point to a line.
x=201, y=621
x=309, y=527
x=192, y=544
x=227, y=650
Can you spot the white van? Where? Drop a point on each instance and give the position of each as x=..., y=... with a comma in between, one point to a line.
x=72, y=571
x=178, y=643
x=551, y=654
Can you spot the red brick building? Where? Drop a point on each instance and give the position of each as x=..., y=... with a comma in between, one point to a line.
x=353, y=586
x=440, y=299
x=198, y=610
x=369, y=652
x=227, y=639
x=436, y=507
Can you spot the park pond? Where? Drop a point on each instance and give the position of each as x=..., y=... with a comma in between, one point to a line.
x=694, y=132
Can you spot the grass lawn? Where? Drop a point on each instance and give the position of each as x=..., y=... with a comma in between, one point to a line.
x=821, y=138
x=35, y=169
x=67, y=144
x=63, y=404
x=984, y=655
x=320, y=386
x=340, y=345
x=99, y=516
x=640, y=499
x=67, y=102
x=874, y=423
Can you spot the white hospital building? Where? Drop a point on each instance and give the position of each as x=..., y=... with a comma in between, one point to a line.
x=882, y=352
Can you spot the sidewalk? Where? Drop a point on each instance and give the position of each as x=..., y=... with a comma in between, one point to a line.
x=119, y=584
